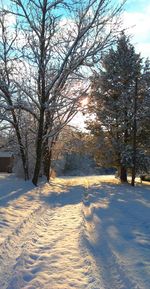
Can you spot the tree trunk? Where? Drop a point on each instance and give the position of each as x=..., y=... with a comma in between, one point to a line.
x=21, y=147
x=39, y=149
x=19, y=138
x=47, y=155
x=23, y=157
x=26, y=152
x=133, y=177
x=134, y=135
x=123, y=174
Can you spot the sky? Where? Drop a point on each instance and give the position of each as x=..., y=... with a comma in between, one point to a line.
x=136, y=16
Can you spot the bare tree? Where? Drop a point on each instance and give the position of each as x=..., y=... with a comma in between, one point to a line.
x=62, y=40
x=7, y=87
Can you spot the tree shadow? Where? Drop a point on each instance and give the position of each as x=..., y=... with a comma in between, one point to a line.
x=68, y=196
x=119, y=218
x=116, y=202
x=12, y=188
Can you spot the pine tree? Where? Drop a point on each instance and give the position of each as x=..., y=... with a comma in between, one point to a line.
x=113, y=94
x=145, y=108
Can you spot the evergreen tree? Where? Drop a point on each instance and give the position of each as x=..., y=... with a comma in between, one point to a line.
x=144, y=137
x=113, y=100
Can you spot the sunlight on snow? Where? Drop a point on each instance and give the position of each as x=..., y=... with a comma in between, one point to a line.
x=78, y=232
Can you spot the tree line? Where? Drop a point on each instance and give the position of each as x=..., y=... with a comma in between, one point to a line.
x=48, y=52
x=120, y=100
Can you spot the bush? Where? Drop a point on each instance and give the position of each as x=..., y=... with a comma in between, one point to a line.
x=145, y=178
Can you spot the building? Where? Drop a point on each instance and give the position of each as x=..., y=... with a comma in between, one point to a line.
x=6, y=161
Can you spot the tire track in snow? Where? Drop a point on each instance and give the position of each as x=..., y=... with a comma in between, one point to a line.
x=13, y=244
x=45, y=252
x=59, y=248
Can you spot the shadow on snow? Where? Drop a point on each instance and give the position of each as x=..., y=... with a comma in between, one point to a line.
x=69, y=196
x=116, y=227
x=12, y=188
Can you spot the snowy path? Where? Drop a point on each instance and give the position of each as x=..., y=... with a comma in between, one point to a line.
x=50, y=256
x=45, y=249
x=50, y=239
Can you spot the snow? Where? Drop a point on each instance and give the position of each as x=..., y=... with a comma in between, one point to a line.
x=81, y=232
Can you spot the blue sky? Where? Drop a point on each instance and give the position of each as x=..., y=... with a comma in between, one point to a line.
x=136, y=5
x=137, y=17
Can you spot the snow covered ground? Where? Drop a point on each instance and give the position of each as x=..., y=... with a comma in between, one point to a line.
x=82, y=232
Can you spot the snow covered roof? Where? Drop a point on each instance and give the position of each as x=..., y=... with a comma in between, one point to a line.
x=4, y=154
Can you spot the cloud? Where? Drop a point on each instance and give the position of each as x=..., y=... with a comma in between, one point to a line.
x=137, y=24
x=144, y=49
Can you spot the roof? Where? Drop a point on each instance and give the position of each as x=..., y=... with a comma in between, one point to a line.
x=4, y=154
